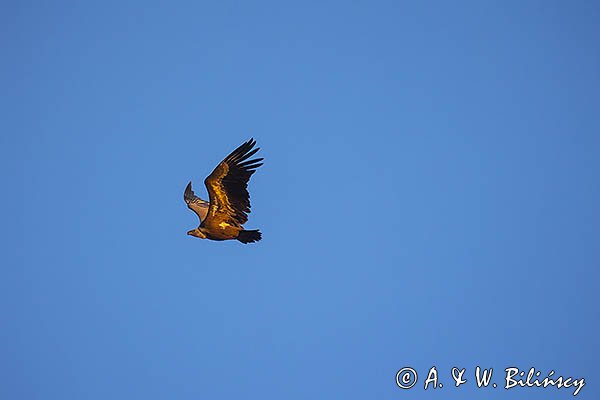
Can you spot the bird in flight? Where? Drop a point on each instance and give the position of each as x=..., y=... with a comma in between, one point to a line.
x=223, y=216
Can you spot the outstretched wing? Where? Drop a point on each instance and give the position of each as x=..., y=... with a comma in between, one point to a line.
x=228, y=186
x=195, y=203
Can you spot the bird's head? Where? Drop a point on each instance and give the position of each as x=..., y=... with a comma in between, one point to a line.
x=196, y=232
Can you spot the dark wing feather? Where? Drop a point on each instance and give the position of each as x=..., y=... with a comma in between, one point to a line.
x=195, y=203
x=228, y=186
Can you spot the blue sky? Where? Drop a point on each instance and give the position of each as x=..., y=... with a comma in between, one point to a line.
x=429, y=197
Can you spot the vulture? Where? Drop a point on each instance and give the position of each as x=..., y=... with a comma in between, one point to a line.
x=223, y=216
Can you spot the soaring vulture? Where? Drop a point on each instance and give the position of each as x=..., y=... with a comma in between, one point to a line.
x=223, y=216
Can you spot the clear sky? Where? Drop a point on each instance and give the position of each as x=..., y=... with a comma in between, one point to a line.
x=429, y=197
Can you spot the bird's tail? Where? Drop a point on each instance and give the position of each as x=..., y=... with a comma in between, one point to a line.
x=249, y=236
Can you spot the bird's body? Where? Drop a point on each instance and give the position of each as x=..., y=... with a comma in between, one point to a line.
x=222, y=217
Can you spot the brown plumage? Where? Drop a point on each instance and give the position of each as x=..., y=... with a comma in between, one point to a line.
x=223, y=216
